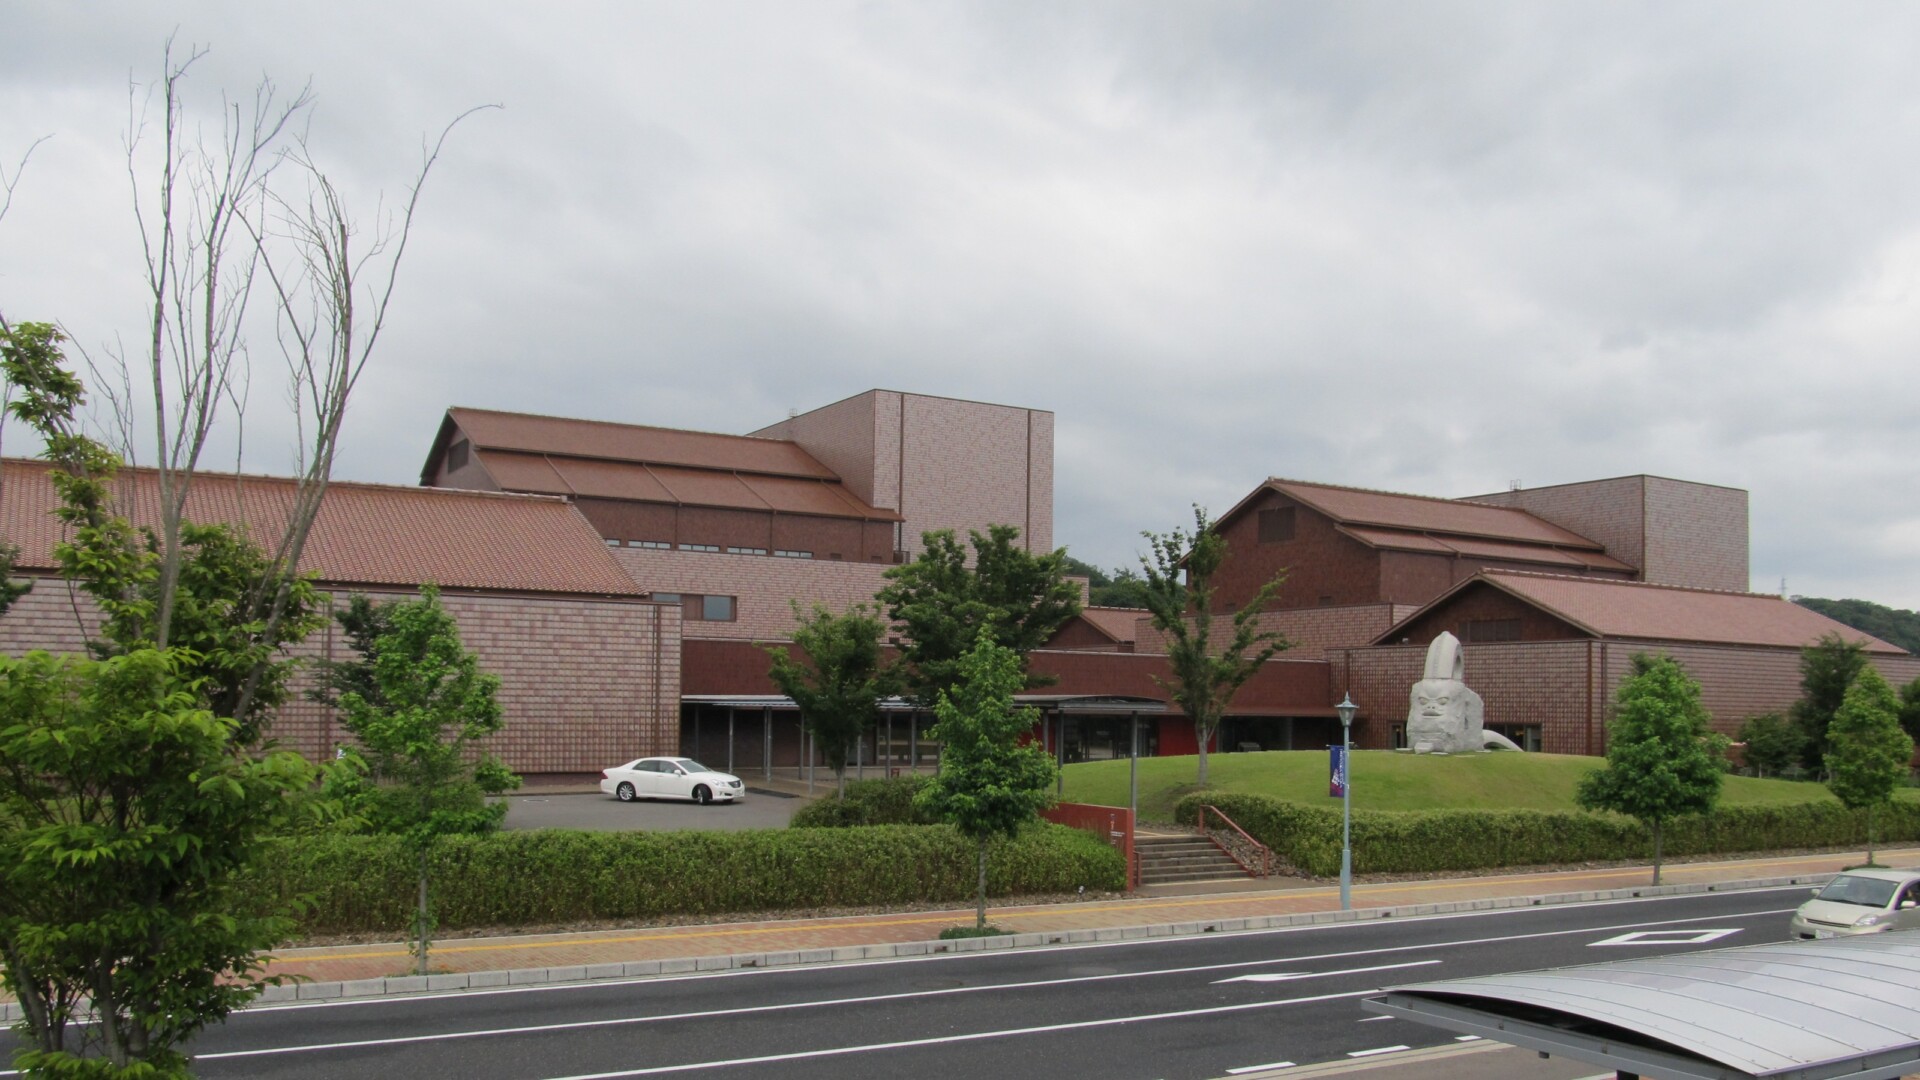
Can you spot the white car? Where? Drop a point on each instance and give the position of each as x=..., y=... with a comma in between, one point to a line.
x=1861, y=902
x=671, y=778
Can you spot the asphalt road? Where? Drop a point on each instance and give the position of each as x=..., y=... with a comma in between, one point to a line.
x=1164, y=1008
x=604, y=813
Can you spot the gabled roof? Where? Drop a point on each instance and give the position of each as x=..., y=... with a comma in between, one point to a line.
x=1640, y=611
x=1423, y=514
x=365, y=534
x=1118, y=623
x=591, y=458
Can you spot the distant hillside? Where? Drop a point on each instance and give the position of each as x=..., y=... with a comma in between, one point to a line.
x=1895, y=626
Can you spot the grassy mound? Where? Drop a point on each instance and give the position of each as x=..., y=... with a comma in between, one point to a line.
x=1384, y=780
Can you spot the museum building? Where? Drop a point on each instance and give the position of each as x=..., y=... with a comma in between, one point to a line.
x=624, y=579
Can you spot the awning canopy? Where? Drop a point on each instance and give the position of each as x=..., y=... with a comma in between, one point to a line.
x=1812, y=1010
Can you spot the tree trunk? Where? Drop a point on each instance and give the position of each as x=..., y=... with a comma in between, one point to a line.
x=980, y=914
x=420, y=920
x=1656, y=851
x=1205, y=738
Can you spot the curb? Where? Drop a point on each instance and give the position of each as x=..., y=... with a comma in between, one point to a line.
x=640, y=969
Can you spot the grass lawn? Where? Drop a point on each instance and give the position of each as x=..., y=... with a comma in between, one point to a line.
x=1385, y=780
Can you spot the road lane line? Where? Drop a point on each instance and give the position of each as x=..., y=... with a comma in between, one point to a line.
x=1291, y=976
x=978, y=1036
x=1378, y=1050
x=1259, y=1068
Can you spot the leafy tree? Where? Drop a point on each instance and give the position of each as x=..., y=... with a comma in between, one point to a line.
x=1868, y=755
x=418, y=771
x=1206, y=674
x=1772, y=744
x=1662, y=762
x=990, y=783
x=127, y=822
x=362, y=623
x=1910, y=709
x=1827, y=668
x=942, y=604
x=1895, y=626
x=842, y=682
x=1124, y=588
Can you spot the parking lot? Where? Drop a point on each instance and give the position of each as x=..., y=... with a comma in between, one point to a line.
x=759, y=810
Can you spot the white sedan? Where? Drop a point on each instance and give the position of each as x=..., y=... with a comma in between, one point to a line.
x=671, y=778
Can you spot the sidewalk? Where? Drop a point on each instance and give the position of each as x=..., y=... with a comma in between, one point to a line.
x=471, y=962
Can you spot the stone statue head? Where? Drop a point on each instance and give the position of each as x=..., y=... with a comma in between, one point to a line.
x=1442, y=714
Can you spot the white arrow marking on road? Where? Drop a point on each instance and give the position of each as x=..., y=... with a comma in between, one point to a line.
x=1666, y=937
x=1289, y=976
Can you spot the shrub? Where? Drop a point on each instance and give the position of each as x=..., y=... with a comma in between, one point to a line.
x=1426, y=841
x=869, y=802
x=366, y=883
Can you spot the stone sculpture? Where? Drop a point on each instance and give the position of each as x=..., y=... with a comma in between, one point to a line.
x=1444, y=717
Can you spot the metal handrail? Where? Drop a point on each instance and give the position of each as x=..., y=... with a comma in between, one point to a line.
x=1269, y=862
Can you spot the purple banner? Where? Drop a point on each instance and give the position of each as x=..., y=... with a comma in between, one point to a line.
x=1336, y=771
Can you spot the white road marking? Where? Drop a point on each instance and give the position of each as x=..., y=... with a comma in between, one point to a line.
x=1259, y=1068
x=1466, y=1038
x=1290, y=976
x=1666, y=937
x=1377, y=1050
x=1371, y=1019
x=907, y=1044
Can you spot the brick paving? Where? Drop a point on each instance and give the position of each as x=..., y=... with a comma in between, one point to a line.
x=689, y=943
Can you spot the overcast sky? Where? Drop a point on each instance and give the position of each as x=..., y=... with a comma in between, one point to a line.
x=1434, y=248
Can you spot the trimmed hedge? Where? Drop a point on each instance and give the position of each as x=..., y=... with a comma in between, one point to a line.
x=868, y=802
x=366, y=883
x=1423, y=841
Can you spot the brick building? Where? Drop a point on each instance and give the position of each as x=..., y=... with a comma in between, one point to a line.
x=589, y=668
x=1551, y=590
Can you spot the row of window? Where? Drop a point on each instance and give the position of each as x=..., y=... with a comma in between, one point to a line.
x=662, y=545
x=697, y=607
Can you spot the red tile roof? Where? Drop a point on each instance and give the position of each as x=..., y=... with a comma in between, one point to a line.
x=590, y=458
x=1646, y=612
x=1423, y=514
x=365, y=534
x=1120, y=624
x=1474, y=547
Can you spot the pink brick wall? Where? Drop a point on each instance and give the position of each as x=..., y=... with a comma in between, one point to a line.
x=762, y=585
x=842, y=435
x=1696, y=535
x=1675, y=531
x=584, y=683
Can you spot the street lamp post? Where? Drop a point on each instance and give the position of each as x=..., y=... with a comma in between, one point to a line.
x=1346, y=709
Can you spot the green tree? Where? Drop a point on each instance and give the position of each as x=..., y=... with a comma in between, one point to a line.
x=1910, y=709
x=362, y=623
x=1662, y=762
x=839, y=686
x=1123, y=588
x=942, y=604
x=127, y=823
x=1206, y=674
x=418, y=770
x=1895, y=626
x=1868, y=755
x=990, y=782
x=1827, y=668
x=1772, y=743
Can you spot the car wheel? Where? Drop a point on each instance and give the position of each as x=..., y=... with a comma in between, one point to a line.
x=625, y=792
x=701, y=795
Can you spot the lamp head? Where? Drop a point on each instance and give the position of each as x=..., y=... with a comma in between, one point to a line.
x=1346, y=710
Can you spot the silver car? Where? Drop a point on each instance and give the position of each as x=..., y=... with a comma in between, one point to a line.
x=671, y=778
x=1861, y=902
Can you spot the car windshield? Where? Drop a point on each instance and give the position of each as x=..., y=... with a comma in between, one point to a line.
x=691, y=765
x=1865, y=891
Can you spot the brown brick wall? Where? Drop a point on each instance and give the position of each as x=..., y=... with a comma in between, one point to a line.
x=1310, y=632
x=584, y=683
x=1696, y=535
x=1483, y=601
x=842, y=436
x=967, y=465
x=762, y=584
x=1324, y=567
